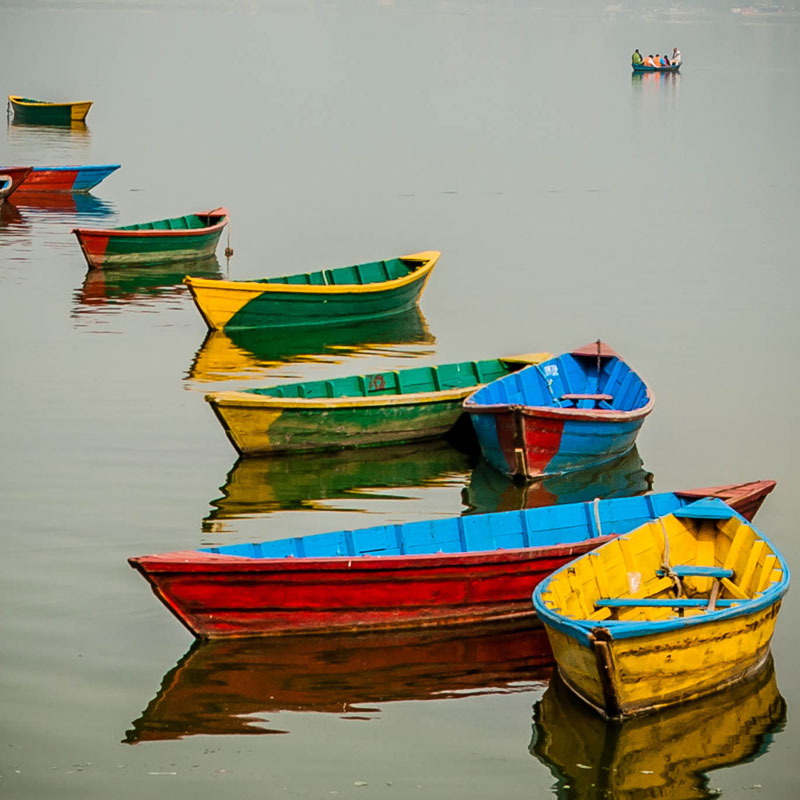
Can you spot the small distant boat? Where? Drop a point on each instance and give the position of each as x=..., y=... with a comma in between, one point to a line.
x=16, y=175
x=577, y=410
x=159, y=242
x=325, y=297
x=45, y=112
x=643, y=68
x=672, y=611
x=6, y=187
x=74, y=178
x=356, y=411
x=446, y=571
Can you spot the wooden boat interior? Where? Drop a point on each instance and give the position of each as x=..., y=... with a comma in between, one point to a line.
x=5, y=182
x=356, y=275
x=570, y=381
x=714, y=560
x=439, y=378
x=535, y=527
x=187, y=222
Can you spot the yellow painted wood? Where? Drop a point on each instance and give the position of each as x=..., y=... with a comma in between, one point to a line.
x=651, y=669
x=80, y=110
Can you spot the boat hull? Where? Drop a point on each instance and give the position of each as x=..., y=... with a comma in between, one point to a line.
x=642, y=68
x=627, y=677
x=118, y=247
x=67, y=179
x=522, y=442
x=263, y=428
x=243, y=304
x=217, y=595
x=18, y=176
x=44, y=113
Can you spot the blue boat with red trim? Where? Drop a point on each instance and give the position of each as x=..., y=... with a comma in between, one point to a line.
x=72, y=178
x=577, y=410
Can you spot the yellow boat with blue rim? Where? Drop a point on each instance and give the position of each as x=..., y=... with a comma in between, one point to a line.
x=337, y=296
x=674, y=610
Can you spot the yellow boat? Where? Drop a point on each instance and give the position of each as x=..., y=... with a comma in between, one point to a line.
x=672, y=611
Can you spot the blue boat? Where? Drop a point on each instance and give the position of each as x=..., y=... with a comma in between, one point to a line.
x=577, y=410
x=73, y=178
x=449, y=571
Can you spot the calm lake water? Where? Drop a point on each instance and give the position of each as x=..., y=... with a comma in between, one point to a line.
x=570, y=201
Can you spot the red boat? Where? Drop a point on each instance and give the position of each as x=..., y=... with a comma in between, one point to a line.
x=448, y=571
x=17, y=175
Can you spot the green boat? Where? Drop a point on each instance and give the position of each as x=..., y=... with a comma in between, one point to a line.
x=356, y=411
x=355, y=293
x=46, y=112
x=161, y=241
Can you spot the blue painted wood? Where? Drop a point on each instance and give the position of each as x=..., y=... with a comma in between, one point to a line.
x=506, y=530
x=690, y=571
x=709, y=508
x=674, y=602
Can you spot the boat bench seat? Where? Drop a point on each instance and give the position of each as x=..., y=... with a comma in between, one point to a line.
x=692, y=571
x=607, y=397
x=666, y=602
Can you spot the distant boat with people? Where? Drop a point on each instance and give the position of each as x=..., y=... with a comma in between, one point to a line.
x=656, y=63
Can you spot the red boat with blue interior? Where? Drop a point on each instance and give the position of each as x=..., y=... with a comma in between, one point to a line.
x=75, y=178
x=577, y=410
x=448, y=571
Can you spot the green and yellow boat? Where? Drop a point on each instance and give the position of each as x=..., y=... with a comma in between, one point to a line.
x=356, y=411
x=325, y=297
x=45, y=112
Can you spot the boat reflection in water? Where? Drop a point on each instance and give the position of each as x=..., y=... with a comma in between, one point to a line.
x=307, y=481
x=108, y=288
x=489, y=490
x=224, y=687
x=237, y=354
x=664, y=755
x=69, y=204
x=27, y=133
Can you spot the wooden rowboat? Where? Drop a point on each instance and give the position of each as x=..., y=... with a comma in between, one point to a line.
x=643, y=68
x=325, y=297
x=45, y=112
x=447, y=571
x=159, y=242
x=574, y=411
x=357, y=411
x=662, y=756
x=73, y=178
x=674, y=610
x=17, y=176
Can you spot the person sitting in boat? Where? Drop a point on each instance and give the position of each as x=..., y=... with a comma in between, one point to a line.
x=636, y=58
x=648, y=62
x=664, y=61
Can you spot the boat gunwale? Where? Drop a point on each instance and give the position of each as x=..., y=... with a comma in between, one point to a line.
x=642, y=68
x=581, y=629
x=428, y=259
x=553, y=412
x=117, y=233
x=29, y=102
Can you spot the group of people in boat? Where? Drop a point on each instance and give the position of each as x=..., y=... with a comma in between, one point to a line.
x=656, y=61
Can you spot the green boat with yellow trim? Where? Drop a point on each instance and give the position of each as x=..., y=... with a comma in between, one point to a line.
x=356, y=411
x=46, y=112
x=325, y=297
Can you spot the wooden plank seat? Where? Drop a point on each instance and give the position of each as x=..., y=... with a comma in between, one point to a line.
x=692, y=571
x=599, y=397
x=666, y=602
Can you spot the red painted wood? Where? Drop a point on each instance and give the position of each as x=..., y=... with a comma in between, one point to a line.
x=56, y=180
x=218, y=595
x=17, y=175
